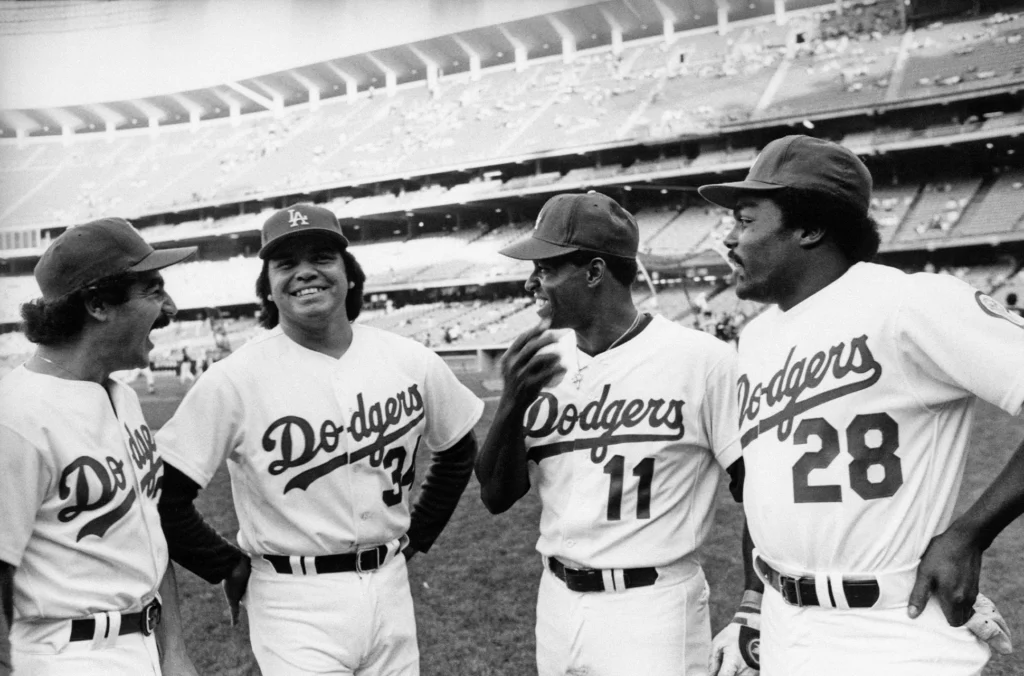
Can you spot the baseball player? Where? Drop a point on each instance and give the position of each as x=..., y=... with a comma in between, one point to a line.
x=622, y=424
x=856, y=395
x=83, y=563
x=321, y=421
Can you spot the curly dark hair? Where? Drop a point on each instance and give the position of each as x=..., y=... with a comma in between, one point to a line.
x=56, y=321
x=854, y=232
x=269, y=316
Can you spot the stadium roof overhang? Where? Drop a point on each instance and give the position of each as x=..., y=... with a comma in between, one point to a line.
x=583, y=24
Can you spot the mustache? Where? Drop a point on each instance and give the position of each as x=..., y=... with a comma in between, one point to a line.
x=163, y=321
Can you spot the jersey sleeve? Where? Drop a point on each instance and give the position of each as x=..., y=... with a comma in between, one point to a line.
x=205, y=428
x=720, y=410
x=962, y=340
x=25, y=478
x=451, y=409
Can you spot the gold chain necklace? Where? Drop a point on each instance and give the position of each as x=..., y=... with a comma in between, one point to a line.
x=577, y=378
x=61, y=367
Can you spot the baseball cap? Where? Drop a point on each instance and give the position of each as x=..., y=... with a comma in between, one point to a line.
x=87, y=253
x=299, y=219
x=575, y=222
x=799, y=162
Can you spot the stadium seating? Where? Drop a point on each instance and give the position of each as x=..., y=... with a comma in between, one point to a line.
x=686, y=88
x=938, y=208
x=999, y=207
x=646, y=91
x=889, y=205
x=684, y=233
x=962, y=56
x=836, y=74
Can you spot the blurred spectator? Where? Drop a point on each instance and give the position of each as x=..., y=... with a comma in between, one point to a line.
x=186, y=368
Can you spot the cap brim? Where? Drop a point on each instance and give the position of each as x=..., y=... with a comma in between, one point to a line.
x=532, y=249
x=727, y=194
x=162, y=258
x=273, y=244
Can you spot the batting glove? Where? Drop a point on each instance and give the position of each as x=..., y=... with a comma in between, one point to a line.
x=736, y=650
x=988, y=625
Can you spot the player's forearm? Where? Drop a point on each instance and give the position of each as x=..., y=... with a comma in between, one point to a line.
x=998, y=506
x=169, y=633
x=191, y=541
x=501, y=465
x=750, y=579
x=442, y=487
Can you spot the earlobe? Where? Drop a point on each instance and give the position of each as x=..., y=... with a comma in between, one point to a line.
x=595, y=271
x=812, y=237
x=96, y=308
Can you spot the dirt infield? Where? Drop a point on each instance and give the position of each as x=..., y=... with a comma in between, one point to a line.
x=475, y=591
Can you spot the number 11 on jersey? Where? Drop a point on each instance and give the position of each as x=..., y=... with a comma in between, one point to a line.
x=644, y=471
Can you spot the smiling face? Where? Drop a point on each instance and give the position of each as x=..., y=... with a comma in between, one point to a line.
x=766, y=252
x=559, y=286
x=148, y=307
x=308, y=283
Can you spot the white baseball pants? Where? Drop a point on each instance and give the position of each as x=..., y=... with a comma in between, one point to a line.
x=811, y=641
x=343, y=624
x=660, y=630
x=128, y=655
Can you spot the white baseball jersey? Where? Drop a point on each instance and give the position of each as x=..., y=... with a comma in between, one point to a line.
x=856, y=407
x=321, y=450
x=627, y=462
x=79, y=485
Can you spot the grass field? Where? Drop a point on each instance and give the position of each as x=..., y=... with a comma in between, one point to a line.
x=475, y=591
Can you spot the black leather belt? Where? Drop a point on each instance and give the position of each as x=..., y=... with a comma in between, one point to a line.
x=592, y=580
x=801, y=591
x=144, y=621
x=368, y=559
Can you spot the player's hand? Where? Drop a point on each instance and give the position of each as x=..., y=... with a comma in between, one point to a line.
x=988, y=624
x=726, y=655
x=525, y=369
x=949, y=570
x=234, y=587
x=736, y=650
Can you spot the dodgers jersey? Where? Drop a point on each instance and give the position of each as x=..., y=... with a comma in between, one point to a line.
x=79, y=484
x=627, y=463
x=321, y=451
x=856, y=408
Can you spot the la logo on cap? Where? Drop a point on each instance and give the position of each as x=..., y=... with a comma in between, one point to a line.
x=296, y=218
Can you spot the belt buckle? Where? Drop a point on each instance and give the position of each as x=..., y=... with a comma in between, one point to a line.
x=150, y=617
x=792, y=583
x=360, y=568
